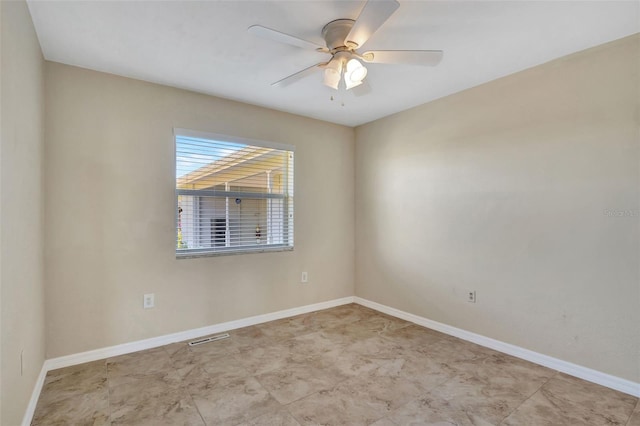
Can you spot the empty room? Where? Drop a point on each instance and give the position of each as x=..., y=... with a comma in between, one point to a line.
x=368, y=212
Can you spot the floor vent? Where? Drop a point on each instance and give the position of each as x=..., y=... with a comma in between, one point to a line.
x=209, y=339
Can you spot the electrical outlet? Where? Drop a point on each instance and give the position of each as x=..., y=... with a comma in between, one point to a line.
x=304, y=278
x=471, y=296
x=149, y=300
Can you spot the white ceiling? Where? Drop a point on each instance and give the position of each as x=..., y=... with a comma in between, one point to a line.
x=204, y=46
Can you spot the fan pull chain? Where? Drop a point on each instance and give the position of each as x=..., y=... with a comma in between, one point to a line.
x=341, y=102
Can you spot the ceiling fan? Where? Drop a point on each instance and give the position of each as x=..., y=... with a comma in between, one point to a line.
x=343, y=38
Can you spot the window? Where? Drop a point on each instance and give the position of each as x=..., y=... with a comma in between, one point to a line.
x=232, y=195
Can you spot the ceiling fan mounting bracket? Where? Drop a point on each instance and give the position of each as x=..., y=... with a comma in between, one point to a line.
x=335, y=33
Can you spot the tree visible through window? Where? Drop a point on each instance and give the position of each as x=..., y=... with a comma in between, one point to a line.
x=232, y=195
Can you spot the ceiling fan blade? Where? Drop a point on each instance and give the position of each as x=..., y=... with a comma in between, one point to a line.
x=278, y=36
x=373, y=15
x=411, y=57
x=298, y=76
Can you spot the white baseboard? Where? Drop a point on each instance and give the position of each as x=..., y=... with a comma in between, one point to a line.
x=35, y=395
x=588, y=374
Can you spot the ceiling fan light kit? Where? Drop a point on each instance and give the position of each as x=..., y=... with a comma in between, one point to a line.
x=342, y=38
x=344, y=67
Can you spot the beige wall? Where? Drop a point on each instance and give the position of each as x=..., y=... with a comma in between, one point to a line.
x=502, y=189
x=110, y=213
x=21, y=224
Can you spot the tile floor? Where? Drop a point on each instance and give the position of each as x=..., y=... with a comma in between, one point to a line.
x=343, y=366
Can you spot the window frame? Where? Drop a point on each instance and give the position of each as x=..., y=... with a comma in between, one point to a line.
x=287, y=197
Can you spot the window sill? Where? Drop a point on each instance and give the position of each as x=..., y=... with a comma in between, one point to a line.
x=231, y=252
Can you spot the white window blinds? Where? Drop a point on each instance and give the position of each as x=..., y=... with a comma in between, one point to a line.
x=232, y=195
